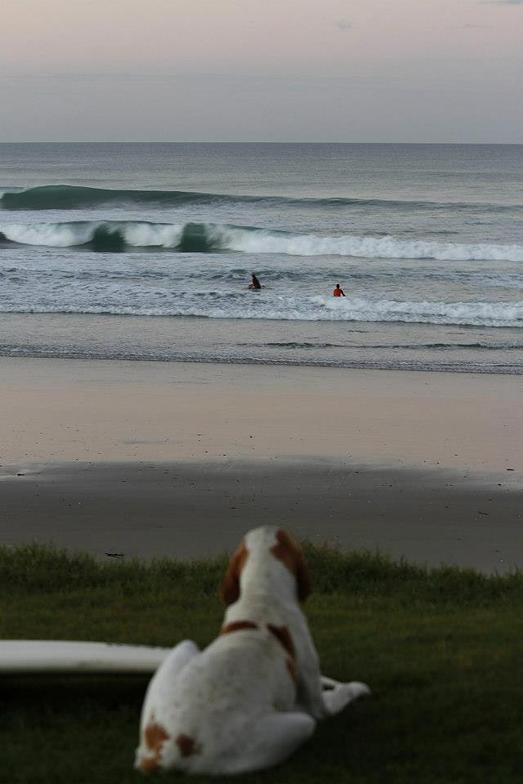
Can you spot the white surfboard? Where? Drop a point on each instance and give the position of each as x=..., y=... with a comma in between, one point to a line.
x=19, y=657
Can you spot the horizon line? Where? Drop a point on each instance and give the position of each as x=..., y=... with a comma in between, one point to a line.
x=259, y=141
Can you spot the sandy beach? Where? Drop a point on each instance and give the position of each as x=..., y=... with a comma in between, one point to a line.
x=152, y=458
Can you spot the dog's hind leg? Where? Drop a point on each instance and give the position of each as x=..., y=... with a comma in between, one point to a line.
x=157, y=710
x=271, y=740
x=161, y=683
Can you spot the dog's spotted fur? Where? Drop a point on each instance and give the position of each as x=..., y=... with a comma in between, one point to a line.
x=254, y=694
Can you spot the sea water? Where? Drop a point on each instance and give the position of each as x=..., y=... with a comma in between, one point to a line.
x=145, y=251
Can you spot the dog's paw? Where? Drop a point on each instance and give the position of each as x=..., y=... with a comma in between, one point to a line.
x=338, y=697
x=358, y=689
x=328, y=683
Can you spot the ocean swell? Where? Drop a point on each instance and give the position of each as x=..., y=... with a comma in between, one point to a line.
x=73, y=197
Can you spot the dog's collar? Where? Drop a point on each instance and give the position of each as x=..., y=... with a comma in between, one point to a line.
x=238, y=626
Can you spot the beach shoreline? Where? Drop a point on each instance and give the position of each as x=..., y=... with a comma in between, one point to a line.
x=172, y=459
x=358, y=345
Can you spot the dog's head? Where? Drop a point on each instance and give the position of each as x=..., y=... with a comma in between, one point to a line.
x=260, y=557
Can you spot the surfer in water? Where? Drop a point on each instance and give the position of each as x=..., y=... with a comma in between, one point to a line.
x=338, y=291
x=255, y=284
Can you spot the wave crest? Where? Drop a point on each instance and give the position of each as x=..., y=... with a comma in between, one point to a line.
x=72, y=197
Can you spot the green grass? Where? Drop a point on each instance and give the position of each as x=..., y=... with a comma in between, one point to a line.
x=442, y=651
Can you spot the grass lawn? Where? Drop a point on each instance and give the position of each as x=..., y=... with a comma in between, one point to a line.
x=442, y=651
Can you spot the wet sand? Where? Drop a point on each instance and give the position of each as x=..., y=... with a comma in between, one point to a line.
x=148, y=459
x=194, y=509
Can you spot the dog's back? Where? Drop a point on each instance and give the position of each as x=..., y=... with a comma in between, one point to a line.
x=205, y=717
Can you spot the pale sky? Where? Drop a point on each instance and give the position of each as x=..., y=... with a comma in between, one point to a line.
x=262, y=70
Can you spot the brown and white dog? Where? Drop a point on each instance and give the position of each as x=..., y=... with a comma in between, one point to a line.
x=254, y=694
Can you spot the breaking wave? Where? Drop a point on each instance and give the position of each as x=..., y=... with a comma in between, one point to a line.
x=114, y=236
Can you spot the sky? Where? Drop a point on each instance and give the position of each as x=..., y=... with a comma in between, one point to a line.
x=262, y=70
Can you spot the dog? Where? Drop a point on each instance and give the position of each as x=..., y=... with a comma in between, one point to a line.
x=254, y=695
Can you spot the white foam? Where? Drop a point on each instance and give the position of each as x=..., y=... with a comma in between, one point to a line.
x=143, y=235
x=65, y=235
x=464, y=313
x=56, y=235
x=116, y=300
x=367, y=247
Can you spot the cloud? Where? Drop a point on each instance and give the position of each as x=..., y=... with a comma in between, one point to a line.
x=344, y=24
x=502, y=2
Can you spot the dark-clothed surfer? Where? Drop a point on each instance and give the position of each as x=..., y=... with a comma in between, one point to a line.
x=255, y=285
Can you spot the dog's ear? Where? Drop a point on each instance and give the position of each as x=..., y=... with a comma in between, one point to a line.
x=303, y=577
x=230, y=587
x=288, y=550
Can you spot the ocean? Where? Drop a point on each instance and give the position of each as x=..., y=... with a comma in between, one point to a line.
x=144, y=251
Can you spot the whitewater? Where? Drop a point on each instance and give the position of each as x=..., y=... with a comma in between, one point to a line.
x=160, y=240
